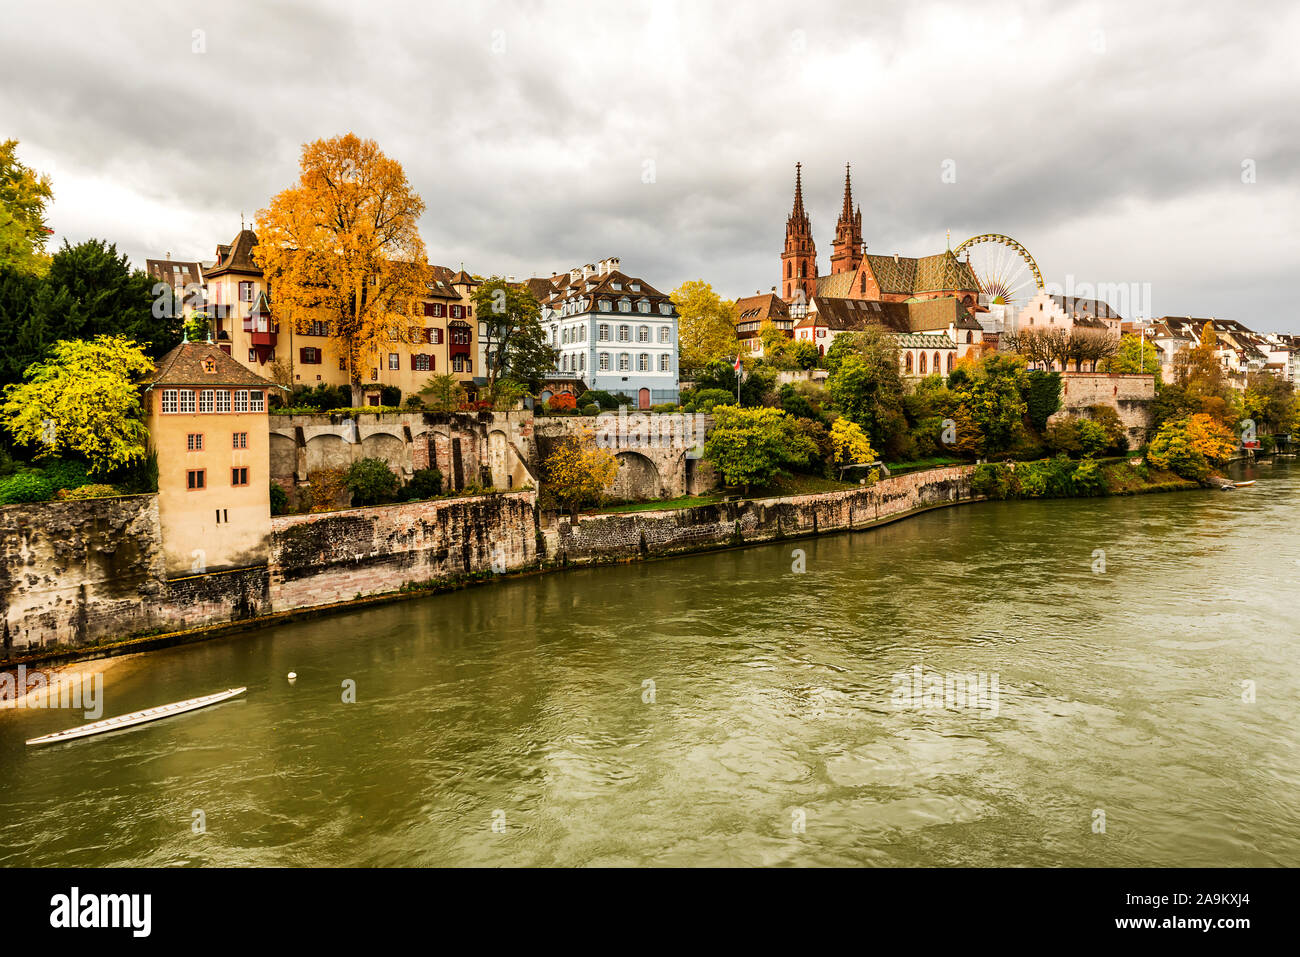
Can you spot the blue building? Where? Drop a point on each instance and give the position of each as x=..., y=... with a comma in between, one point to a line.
x=614, y=333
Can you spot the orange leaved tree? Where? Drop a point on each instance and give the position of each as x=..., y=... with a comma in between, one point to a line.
x=341, y=246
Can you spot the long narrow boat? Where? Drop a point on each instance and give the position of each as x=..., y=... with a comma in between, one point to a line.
x=137, y=717
x=1245, y=484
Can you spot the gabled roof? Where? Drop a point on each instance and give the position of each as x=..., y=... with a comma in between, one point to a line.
x=918, y=316
x=174, y=271
x=761, y=308
x=903, y=275
x=1085, y=308
x=238, y=256
x=836, y=285
x=183, y=365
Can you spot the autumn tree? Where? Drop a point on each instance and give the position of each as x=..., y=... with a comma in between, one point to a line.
x=343, y=246
x=83, y=399
x=515, y=344
x=748, y=446
x=706, y=326
x=577, y=473
x=851, y=445
x=24, y=194
x=1134, y=355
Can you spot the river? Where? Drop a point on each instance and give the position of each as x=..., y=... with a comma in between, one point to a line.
x=724, y=709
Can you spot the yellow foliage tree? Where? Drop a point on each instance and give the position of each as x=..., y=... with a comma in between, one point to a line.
x=1210, y=437
x=577, y=472
x=343, y=246
x=850, y=443
x=706, y=326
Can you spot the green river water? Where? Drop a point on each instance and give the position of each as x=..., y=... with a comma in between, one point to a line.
x=773, y=736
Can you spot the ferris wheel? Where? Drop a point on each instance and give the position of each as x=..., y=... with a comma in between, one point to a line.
x=1007, y=273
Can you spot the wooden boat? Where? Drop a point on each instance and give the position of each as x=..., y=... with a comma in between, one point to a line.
x=1244, y=484
x=137, y=717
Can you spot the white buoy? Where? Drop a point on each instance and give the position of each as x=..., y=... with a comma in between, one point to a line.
x=293, y=676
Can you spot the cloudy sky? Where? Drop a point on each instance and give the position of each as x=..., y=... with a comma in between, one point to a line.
x=1147, y=146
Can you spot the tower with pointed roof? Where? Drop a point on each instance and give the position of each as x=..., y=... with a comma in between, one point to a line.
x=799, y=260
x=848, y=232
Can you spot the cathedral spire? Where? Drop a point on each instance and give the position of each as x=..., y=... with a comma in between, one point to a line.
x=799, y=260
x=848, y=232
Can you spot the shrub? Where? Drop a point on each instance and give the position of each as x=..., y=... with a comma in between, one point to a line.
x=370, y=481
x=561, y=402
x=279, y=499
x=706, y=400
x=390, y=395
x=63, y=474
x=25, y=487
x=425, y=483
x=591, y=408
x=83, y=492
x=598, y=396
x=139, y=477
x=1088, y=478
x=664, y=407
x=994, y=480
x=413, y=402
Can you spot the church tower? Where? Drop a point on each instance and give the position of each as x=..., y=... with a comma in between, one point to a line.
x=848, y=232
x=799, y=261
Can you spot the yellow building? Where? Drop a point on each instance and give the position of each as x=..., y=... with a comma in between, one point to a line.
x=440, y=334
x=207, y=420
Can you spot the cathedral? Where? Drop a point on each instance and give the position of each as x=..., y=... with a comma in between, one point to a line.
x=855, y=274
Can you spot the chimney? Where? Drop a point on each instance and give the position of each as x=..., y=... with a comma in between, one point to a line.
x=895, y=257
x=574, y=274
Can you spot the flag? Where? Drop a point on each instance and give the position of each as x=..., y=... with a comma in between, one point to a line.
x=737, y=366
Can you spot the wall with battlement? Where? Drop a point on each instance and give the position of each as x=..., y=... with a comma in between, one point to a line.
x=1132, y=396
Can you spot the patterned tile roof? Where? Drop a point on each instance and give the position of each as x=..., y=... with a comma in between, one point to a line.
x=837, y=285
x=903, y=275
x=185, y=365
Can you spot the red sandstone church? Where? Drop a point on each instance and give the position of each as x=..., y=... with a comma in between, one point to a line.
x=817, y=306
x=855, y=274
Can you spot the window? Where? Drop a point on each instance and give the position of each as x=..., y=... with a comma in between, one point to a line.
x=624, y=362
x=604, y=362
x=256, y=401
x=643, y=363
x=603, y=333
x=604, y=305
x=665, y=309
x=460, y=363
x=186, y=397
x=222, y=403
x=196, y=479
x=922, y=364
x=460, y=335
x=624, y=334
x=169, y=400
x=435, y=337
x=241, y=400
x=643, y=305
x=909, y=363
x=318, y=328
x=309, y=355
x=663, y=361
x=665, y=334
x=394, y=361
x=582, y=362
x=458, y=312
x=239, y=440
x=239, y=476
x=643, y=334
x=245, y=292
x=194, y=442
x=205, y=400
x=624, y=305
x=252, y=355
x=422, y=363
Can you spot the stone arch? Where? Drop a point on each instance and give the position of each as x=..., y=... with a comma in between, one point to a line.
x=385, y=446
x=499, y=459
x=637, y=477
x=284, y=457
x=327, y=451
